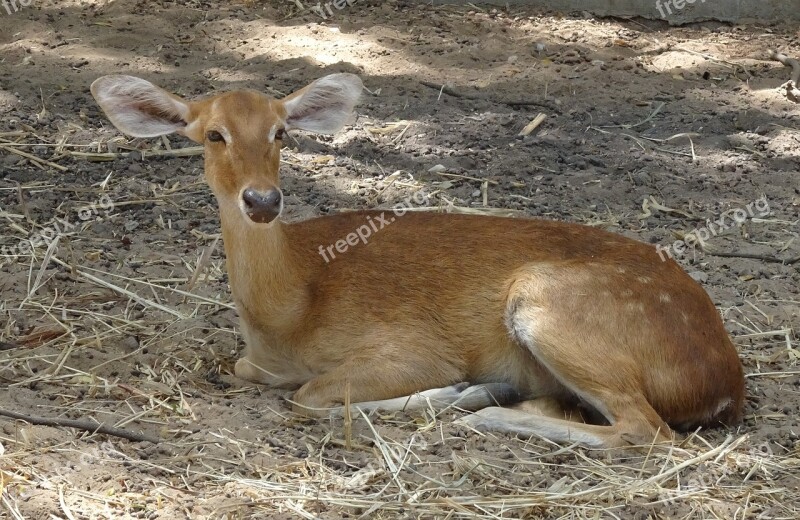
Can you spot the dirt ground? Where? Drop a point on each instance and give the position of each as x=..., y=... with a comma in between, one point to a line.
x=650, y=131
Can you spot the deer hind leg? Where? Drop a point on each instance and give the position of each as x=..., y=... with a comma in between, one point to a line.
x=555, y=408
x=625, y=432
x=583, y=357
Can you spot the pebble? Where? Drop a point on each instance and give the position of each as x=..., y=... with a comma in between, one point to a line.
x=130, y=343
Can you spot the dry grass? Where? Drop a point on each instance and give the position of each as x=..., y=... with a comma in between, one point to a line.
x=260, y=461
x=700, y=478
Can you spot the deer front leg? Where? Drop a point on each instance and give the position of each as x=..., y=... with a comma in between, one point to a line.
x=460, y=396
x=265, y=363
x=370, y=382
x=250, y=369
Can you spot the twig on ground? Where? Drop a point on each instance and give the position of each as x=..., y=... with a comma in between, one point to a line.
x=36, y=160
x=525, y=103
x=710, y=57
x=791, y=86
x=763, y=258
x=533, y=125
x=466, y=177
x=205, y=258
x=444, y=89
x=653, y=114
x=111, y=156
x=88, y=425
x=125, y=292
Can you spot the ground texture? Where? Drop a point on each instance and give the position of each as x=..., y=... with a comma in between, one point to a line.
x=115, y=304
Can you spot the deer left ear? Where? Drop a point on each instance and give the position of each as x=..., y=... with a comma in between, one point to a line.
x=139, y=108
x=325, y=105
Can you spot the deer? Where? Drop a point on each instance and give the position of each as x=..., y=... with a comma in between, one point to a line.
x=538, y=328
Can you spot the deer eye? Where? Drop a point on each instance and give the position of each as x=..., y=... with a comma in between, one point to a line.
x=279, y=134
x=214, y=136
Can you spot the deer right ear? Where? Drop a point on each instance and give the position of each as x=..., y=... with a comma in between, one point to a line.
x=139, y=108
x=324, y=106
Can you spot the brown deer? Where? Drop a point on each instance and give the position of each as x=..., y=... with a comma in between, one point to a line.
x=548, y=317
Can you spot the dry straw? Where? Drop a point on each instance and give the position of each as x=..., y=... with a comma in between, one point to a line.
x=266, y=463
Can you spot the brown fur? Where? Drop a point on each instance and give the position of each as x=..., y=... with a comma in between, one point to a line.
x=423, y=304
x=559, y=311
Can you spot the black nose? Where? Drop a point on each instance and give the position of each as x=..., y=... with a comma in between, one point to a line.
x=262, y=207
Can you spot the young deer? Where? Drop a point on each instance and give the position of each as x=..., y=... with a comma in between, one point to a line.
x=548, y=316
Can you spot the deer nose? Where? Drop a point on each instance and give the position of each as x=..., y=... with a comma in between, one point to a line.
x=262, y=208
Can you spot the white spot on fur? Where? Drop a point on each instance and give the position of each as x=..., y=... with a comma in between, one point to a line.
x=635, y=306
x=522, y=327
x=722, y=406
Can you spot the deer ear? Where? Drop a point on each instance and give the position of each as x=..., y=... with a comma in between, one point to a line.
x=325, y=105
x=139, y=108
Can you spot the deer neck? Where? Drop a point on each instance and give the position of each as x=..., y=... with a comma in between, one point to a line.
x=265, y=273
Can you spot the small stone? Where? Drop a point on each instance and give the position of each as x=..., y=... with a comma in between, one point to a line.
x=699, y=276
x=728, y=166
